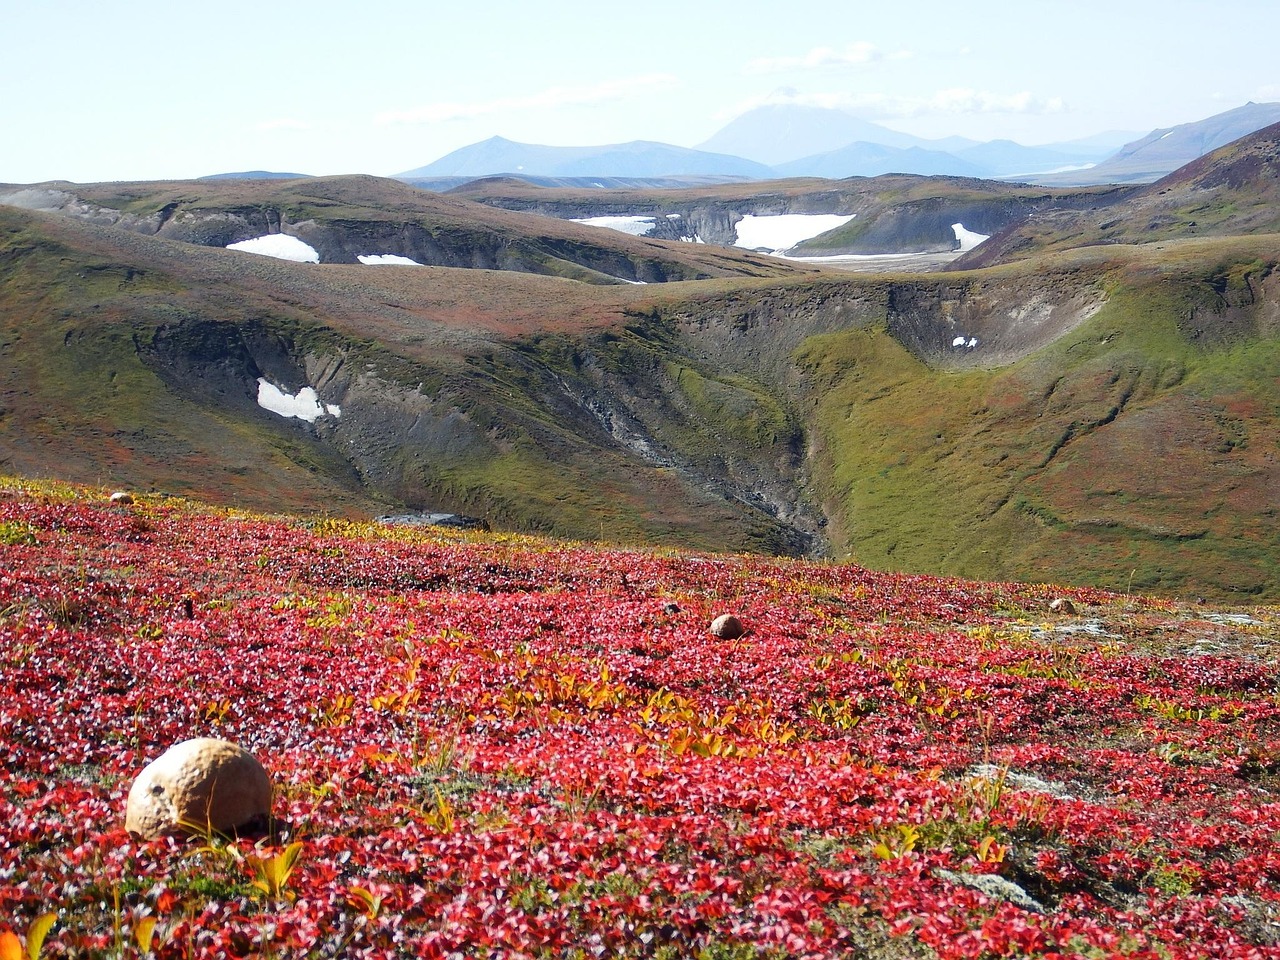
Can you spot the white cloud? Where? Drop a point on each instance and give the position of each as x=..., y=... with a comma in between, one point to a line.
x=551, y=97
x=853, y=54
x=1268, y=94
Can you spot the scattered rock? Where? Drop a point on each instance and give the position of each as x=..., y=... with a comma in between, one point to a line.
x=727, y=627
x=994, y=886
x=121, y=497
x=671, y=609
x=457, y=521
x=198, y=786
x=1062, y=605
x=1233, y=619
x=1022, y=781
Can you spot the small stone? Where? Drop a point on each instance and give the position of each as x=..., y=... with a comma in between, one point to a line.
x=1062, y=605
x=121, y=497
x=994, y=886
x=671, y=609
x=198, y=786
x=727, y=627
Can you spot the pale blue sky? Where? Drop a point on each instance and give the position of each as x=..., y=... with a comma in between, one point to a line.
x=158, y=90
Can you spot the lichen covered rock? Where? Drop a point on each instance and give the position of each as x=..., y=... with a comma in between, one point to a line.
x=198, y=786
x=727, y=627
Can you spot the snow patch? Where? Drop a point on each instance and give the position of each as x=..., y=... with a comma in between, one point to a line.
x=278, y=245
x=636, y=226
x=968, y=239
x=387, y=259
x=783, y=231
x=304, y=405
x=964, y=343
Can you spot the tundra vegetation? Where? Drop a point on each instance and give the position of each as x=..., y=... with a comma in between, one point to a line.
x=500, y=745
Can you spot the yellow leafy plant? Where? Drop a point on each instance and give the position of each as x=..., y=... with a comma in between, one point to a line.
x=901, y=841
x=144, y=931
x=441, y=815
x=271, y=873
x=991, y=850
x=11, y=947
x=366, y=900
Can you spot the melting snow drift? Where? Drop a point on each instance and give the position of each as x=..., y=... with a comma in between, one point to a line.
x=278, y=245
x=968, y=239
x=784, y=231
x=636, y=226
x=387, y=259
x=304, y=405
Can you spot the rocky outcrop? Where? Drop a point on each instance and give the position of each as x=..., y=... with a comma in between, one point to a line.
x=984, y=322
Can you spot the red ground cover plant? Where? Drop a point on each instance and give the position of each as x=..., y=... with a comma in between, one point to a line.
x=499, y=746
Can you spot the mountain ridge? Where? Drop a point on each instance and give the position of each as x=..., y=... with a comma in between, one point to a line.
x=636, y=158
x=846, y=146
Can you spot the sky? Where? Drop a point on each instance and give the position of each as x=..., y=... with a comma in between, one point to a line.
x=145, y=90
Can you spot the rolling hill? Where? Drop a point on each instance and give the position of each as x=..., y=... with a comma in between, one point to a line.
x=1082, y=412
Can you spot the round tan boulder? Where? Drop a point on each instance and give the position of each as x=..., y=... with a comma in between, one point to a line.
x=198, y=786
x=121, y=497
x=1062, y=605
x=727, y=627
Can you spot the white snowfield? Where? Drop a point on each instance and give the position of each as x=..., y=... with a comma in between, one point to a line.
x=304, y=405
x=637, y=226
x=968, y=239
x=387, y=259
x=278, y=245
x=963, y=343
x=782, y=232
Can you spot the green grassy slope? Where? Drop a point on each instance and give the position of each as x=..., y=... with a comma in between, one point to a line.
x=1134, y=449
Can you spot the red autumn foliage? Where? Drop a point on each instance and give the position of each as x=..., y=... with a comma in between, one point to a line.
x=498, y=746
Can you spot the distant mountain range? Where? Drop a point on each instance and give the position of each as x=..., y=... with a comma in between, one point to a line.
x=1162, y=151
x=639, y=158
x=256, y=175
x=796, y=141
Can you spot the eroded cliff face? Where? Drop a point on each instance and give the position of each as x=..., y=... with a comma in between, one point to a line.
x=343, y=240
x=520, y=431
x=987, y=323
x=708, y=393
